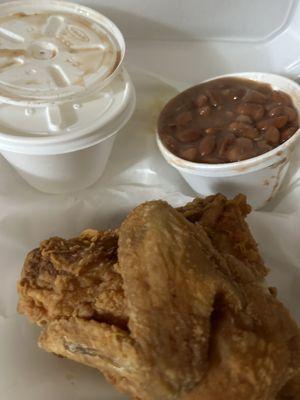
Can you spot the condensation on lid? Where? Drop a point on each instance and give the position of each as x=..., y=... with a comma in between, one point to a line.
x=53, y=50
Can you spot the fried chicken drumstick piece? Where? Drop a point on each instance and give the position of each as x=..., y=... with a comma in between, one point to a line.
x=170, y=306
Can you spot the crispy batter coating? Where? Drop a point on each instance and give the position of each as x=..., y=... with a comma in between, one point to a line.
x=171, y=306
x=76, y=277
x=224, y=222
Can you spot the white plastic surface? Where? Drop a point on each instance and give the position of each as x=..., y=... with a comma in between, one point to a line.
x=204, y=55
x=259, y=178
x=189, y=41
x=196, y=19
x=248, y=35
x=136, y=172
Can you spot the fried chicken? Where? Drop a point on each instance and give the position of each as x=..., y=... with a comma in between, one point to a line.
x=172, y=305
x=78, y=277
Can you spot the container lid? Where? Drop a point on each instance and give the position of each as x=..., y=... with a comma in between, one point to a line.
x=51, y=51
x=73, y=126
x=60, y=76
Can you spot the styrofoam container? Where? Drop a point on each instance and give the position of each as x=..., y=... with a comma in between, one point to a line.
x=259, y=178
x=63, y=90
x=61, y=172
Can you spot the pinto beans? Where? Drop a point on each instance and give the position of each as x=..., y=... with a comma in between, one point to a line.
x=227, y=120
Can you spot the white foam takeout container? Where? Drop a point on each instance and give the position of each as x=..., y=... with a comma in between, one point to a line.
x=63, y=90
x=259, y=178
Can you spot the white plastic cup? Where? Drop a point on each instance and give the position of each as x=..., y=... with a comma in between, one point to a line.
x=259, y=178
x=64, y=93
x=72, y=171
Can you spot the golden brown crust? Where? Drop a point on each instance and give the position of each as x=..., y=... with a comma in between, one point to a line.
x=224, y=222
x=53, y=273
x=76, y=277
x=249, y=344
x=197, y=320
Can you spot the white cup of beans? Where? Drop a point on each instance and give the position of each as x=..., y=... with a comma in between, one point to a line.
x=233, y=134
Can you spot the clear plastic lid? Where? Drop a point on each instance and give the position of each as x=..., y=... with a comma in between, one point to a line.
x=51, y=51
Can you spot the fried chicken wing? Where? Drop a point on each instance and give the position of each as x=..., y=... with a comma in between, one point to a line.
x=78, y=277
x=171, y=306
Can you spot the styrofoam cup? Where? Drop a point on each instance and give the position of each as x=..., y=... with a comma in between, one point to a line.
x=74, y=170
x=259, y=178
x=63, y=90
x=62, y=173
